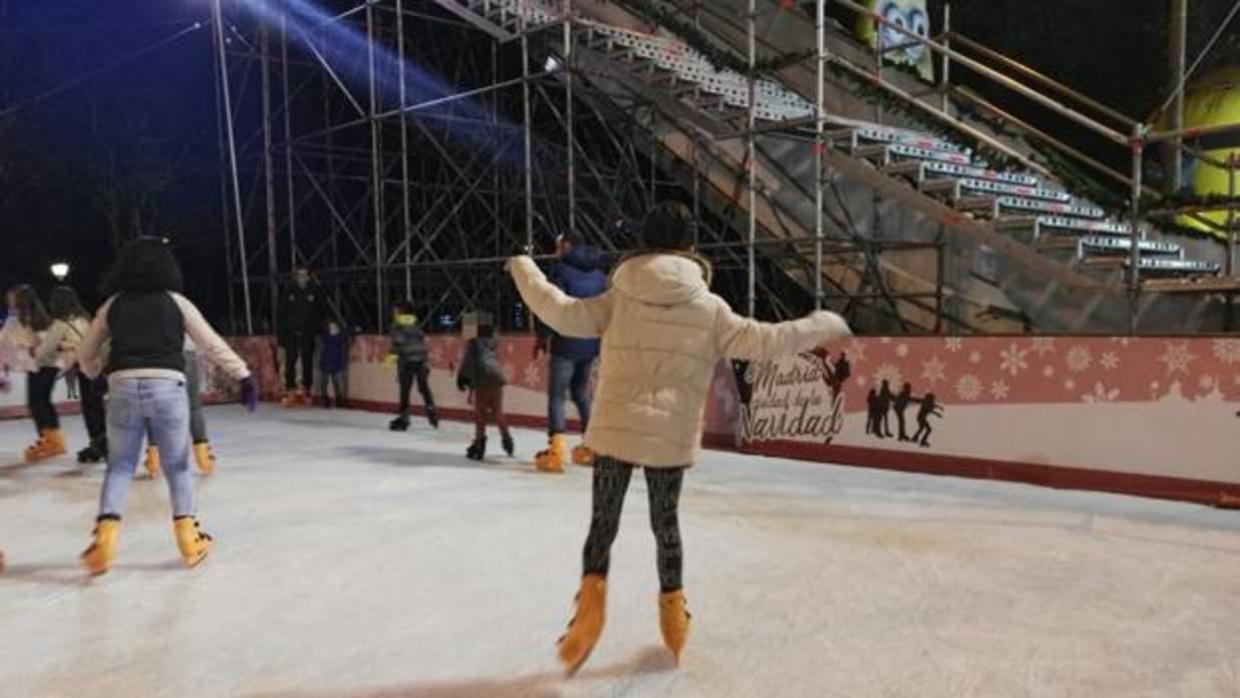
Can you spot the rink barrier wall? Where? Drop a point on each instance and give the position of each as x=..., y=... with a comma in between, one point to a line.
x=1151, y=416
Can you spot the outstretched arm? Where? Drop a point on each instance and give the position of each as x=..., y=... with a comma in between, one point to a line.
x=214, y=346
x=571, y=317
x=90, y=351
x=744, y=338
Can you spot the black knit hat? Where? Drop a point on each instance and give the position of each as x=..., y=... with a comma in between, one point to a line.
x=668, y=226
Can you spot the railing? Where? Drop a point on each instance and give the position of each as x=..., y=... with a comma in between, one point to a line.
x=1079, y=109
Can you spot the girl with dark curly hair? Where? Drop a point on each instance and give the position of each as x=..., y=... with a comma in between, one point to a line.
x=146, y=320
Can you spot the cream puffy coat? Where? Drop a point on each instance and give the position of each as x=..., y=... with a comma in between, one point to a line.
x=663, y=334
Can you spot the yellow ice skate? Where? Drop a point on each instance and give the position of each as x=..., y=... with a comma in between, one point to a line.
x=674, y=621
x=97, y=558
x=586, y=627
x=194, y=544
x=552, y=460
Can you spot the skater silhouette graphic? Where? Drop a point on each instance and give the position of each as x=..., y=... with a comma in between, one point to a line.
x=872, y=417
x=882, y=407
x=902, y=400
x=928, y=407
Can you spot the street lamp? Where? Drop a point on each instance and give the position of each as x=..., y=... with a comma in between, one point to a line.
x=60, y=270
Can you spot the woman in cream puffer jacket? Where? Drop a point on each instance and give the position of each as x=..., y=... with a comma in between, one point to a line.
x=663, y=332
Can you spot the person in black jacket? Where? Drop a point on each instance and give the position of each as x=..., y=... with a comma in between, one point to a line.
x=580, y=274
x=482, y=373
x=301, y=320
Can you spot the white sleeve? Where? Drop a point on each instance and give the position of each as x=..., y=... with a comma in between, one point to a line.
x=49, y=346
x=90, y=352
x=571, y=317
x=210, y=343
x=743, y=338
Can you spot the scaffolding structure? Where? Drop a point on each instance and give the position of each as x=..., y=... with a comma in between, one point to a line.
x=413, y=167
x=398, y=152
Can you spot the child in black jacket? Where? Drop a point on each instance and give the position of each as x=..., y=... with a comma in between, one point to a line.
x=481, y=371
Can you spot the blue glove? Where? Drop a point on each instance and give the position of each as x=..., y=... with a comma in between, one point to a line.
x=249, y=393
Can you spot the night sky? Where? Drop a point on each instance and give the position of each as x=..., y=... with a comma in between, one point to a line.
x=142, y=137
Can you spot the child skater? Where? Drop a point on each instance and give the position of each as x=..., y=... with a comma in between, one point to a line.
x=146, y=319
x=57, y=353
x=663, y=333
x=24, y=330
x=410, y=357
x=334, y=364
x=481, y=372
x=204, y=457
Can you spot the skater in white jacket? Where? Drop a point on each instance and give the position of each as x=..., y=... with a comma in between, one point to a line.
x=663, y=332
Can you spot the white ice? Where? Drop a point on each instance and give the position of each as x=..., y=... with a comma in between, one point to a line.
x=352, y=561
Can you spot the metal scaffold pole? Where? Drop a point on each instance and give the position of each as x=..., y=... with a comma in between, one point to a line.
x=568, y=114
x=1134, y=252
x=751, y=163
x=288, y=147
x=406, y=214
x=820, y=145
x=273, y=267
x=376, y=170
x=525, y=110
x=217, y=19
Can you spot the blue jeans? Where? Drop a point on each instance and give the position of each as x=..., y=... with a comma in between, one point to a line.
x=136, y=406
x=568, y=376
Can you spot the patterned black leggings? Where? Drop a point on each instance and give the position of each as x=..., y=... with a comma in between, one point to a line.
x=611, y=482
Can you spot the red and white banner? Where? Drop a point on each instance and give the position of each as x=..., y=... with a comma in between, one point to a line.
x=1151, y=415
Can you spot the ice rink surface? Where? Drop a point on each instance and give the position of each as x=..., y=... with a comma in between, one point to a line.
x=352, y=561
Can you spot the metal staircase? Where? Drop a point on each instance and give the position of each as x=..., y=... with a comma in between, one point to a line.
x=1016, y=242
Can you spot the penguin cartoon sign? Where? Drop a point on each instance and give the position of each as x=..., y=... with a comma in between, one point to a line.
x=898, y=48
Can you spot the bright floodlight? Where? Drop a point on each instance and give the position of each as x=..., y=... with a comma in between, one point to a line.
x=552, y=64
x=60, y=270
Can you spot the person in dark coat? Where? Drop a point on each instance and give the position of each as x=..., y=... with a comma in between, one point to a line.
x=580, y=274
x=482, y=373
x=301, y=320
x=410, y=357
x=871, y=414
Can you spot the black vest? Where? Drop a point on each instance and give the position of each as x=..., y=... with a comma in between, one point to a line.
x=148, y=331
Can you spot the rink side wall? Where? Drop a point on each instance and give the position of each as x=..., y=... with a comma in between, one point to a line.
x=1154, y=417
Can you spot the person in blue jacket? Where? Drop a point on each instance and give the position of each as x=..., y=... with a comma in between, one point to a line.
x=580, y=273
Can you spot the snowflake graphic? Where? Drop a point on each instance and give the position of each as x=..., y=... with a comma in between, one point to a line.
x=1079, y=359
x=999, y=390
x=862, y=381
x=1227, y=351
x=1109, y=360
x=889, y=373
x=532, y=376
x=1206, y=383
x=1122, y=341
x=1101, y=394
x=901, y=350
x=1012, y=359
x=1177, y=357
x=1069, y=384
x=975, y=357
x=968, y=388
x=954, y=344
x=856, y=351
x=933, y=370
x=884, y=340
x=1043, y=345
x=1048, y=370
